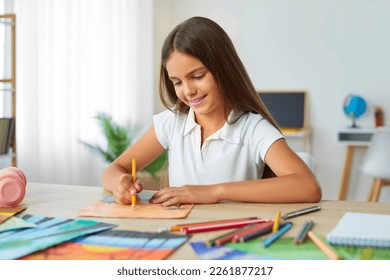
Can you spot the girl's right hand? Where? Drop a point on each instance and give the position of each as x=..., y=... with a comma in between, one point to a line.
x=126, y=188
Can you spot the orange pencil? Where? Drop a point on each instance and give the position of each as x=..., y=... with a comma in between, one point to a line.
x=323, y=247
x=133, y=173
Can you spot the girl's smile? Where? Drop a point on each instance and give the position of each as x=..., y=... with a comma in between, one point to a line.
x=197, y=101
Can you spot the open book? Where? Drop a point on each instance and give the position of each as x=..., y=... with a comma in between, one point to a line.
x=362, y=230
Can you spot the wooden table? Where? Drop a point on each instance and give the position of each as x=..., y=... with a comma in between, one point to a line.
x=66, y=201
x=344, y=184
x=354, y=139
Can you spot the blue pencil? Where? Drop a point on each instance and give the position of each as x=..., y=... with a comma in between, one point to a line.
x=282, y=230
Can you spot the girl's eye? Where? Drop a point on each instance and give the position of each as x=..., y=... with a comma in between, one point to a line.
x=198, y=77
x=176, y=83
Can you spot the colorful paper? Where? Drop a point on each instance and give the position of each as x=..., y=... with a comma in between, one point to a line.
x=143, y=209
x=49, y=232
x=15, y=223
x=114, y=245
x=283, y=249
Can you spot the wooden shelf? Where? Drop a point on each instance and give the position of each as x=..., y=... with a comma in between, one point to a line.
x=10, y=21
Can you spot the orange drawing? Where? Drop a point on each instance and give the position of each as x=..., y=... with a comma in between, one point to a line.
x=109, y=209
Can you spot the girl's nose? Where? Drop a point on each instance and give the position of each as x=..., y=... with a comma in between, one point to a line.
x=189, y=89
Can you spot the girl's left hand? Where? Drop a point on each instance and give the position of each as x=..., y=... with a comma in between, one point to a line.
x=185, y=195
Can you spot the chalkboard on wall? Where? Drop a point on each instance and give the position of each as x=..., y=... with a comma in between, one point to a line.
x=287, y=107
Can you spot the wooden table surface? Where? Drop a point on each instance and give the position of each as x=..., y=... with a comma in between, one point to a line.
x=67, y=200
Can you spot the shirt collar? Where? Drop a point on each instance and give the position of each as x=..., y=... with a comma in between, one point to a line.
x=229, y=132
x=190, y=122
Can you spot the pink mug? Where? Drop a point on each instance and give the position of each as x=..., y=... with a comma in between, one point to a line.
x=12, y=186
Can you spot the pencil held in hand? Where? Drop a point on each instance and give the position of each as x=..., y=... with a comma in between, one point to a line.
x=133, y=174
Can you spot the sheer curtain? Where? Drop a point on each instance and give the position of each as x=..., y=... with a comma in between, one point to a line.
x=76, y=58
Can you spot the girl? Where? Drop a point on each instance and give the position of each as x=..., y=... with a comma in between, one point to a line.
x=219, y=135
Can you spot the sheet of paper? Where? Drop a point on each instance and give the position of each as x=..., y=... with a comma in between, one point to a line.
x=114, y=245
x=27, y=241
x=143, y=209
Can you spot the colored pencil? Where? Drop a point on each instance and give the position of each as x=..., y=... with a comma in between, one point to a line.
x=133, y=174
x=246, y=231
x=276, y=223
x=219, y=226
x=282, y=230
x=227, y=237
x=301, y=237
x=180, y=226
x=323, y=247
x=256, y=231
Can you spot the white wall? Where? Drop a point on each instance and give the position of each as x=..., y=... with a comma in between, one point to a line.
x=330, y=48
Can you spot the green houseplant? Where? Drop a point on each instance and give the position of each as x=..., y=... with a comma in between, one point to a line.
x=119, y=138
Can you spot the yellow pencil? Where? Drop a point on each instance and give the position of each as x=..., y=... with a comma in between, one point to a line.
x=133, y=173
x=323, y=247
x=275, y=227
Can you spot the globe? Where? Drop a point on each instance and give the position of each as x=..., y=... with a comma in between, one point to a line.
x=354, y=107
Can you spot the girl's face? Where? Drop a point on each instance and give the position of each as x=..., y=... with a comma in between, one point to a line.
x=194, y=84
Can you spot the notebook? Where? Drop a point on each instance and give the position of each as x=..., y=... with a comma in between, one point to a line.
x=362, y=230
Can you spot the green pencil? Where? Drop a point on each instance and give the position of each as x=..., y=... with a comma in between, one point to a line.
x=301, y=237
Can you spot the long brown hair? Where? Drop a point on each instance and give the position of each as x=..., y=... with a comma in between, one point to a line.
x=204, y=39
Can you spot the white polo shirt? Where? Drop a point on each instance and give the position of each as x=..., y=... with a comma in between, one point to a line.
x=233, y=153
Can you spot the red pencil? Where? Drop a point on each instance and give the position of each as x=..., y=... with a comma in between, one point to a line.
x=229, y=236
x=180, y=226
x=221, y=239
x=220, y=226
x=258, y=230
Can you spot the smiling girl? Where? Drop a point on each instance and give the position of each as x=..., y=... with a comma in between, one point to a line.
x=219, y=135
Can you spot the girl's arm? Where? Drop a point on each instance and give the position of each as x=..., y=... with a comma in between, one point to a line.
x=117, y=178
x=294, y=183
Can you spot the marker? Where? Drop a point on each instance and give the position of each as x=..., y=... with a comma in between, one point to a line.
x=133, y=173
x=301, y=212
x=301, y=237
x=323, y=247
x=276, y=223
x=282, y=230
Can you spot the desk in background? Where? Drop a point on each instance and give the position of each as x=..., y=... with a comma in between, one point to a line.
x=67, y=201
x=353, y=138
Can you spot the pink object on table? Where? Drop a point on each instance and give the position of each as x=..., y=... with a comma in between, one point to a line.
x=12, y=186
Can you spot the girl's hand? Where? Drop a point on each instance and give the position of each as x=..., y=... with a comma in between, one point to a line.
x=186, y=195
x=126, y=188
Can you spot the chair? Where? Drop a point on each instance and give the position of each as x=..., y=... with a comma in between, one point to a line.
x=376, y=162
